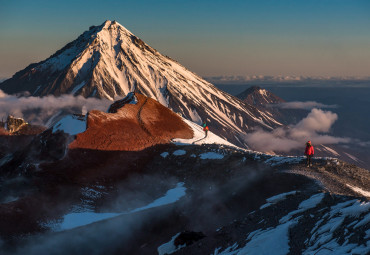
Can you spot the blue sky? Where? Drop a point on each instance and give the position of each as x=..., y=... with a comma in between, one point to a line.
x=314, y=38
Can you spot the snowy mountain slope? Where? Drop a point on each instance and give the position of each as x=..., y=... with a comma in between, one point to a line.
x=108, y=61
x=340, y=216
x=233, y=202
x=199, y=137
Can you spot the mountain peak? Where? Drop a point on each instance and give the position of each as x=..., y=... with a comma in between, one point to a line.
x=258, y=96
x=108, y=24
x=108, y=61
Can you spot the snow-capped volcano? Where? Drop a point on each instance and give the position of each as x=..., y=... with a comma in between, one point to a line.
x=108, y=61
x=259, y=97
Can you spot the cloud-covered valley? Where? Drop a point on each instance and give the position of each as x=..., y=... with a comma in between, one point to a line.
x=314, y=127
x=38, y=110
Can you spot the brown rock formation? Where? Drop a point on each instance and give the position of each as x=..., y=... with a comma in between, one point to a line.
x=14, y=124
x=131, y=127
x=18, y=126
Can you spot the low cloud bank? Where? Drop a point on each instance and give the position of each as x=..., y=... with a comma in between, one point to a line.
x=313, y=127
x=302, y=105
x=38, y=110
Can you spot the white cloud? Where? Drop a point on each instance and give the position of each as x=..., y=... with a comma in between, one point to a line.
x=311, y=128
x=302, y=105
x=38, y=110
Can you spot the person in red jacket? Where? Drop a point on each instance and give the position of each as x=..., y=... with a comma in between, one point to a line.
x=309, y=152
x=205, y=129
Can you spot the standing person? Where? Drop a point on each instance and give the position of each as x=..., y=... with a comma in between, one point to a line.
x=309, y=152
x=205, y=128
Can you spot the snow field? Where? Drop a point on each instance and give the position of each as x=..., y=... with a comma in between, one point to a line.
x=79, y=219
x=169, y=247
x=179, y=153
x=322, y=234
x=199, y=137
x=164, y=154
x=211, y=155
x=264, y=242
x=312, y=202
x=70, y=124
x=275, y=240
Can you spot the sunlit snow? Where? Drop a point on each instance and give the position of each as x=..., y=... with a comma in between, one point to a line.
x=199, y=137
x=360, y=191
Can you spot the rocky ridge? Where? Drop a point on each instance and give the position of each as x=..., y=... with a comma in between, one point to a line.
x=236, y=200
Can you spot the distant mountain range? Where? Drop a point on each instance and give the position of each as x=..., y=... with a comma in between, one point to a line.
x=243, y=79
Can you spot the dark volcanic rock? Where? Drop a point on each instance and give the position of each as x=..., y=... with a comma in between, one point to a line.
x=225, y=199
x=188, y=238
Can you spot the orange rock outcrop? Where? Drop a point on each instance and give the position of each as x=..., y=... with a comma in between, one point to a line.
x=132, y=127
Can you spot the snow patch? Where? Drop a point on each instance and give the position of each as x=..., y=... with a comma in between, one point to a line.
x=323, y=240
x=179, y=153
x=277, y=198
x=280, y=197
x=74, y=220
x=352, y=157
x=359, y=190
x=71, y=124
x=269, y=241
x=195, y=116
x=170, y=247
x=9, y=199
x=6, y=159
x=164, y=154
x=310, y=203
x=330, y=150
x=199, y=137
x=322, y=234
x=280, y=160
x=211, y=155
x=171, y=196
x=77, y=88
